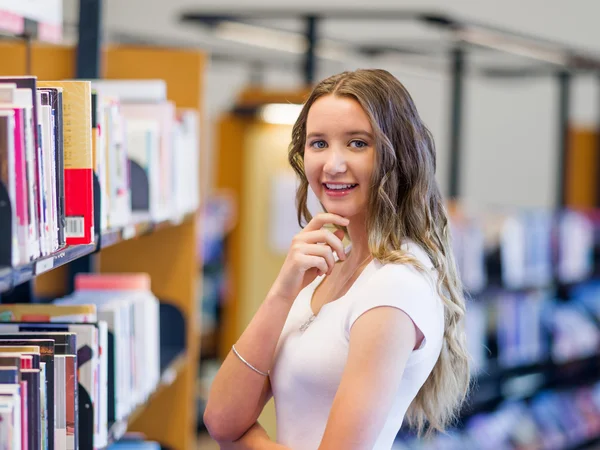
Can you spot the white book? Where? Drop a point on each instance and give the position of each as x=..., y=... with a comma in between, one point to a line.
x=143, y=148
x=101, y=163
x=49, y=150
x=164, y=115
x=113, y=313
x=190, y=149
x=21, y=232
x=7, y=146
x=23, y=99
x=10, y=395
x=44, y=189
x=102, y=389
x=60, y=398
x=133, y=91
x=118, y=169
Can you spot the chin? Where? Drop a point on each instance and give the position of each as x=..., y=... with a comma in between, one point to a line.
x=347, y=211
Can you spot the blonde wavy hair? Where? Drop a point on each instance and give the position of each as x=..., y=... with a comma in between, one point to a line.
x=405, y=202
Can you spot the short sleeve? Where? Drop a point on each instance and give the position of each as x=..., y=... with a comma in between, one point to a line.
x=402, y=286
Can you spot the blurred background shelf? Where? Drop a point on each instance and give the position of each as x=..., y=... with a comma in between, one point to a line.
x=168, y=376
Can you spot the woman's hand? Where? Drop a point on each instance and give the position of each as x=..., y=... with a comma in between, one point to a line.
x=310, y=255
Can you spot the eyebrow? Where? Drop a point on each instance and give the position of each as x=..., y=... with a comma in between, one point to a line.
x=348, y=133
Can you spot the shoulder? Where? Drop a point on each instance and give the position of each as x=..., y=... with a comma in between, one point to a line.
x=406, y=287
x=406, y=277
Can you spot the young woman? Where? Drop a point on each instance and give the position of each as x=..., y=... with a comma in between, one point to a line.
x=351, y=340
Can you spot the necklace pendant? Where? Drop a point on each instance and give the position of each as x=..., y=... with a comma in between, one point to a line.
x=306, y=324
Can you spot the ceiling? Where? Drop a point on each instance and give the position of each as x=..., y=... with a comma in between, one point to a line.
x=158, y=21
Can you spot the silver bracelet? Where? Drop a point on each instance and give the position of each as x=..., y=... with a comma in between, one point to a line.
x=247, y=363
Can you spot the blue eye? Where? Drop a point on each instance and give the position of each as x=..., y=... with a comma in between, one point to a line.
x=358, y=144
x=319, y=144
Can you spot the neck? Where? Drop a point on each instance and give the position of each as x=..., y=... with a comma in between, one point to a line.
x=357, y=232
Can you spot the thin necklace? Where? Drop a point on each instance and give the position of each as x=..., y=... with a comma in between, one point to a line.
x=313, y=316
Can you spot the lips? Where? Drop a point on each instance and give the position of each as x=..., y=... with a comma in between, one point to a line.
x=338, y=189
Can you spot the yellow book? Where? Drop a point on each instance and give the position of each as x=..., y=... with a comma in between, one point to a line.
x=28, y=312
x=78, y=159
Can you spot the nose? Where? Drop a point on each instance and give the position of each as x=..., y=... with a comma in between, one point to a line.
x=335, y=163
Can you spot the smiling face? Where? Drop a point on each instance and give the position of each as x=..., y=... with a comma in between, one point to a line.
x=339, y=155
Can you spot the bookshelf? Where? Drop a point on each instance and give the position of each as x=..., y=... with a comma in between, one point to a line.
x=165, y=249
x=168, y=376
x=11, y=277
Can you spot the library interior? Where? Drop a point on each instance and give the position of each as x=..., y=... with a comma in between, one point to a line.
x=207, y=143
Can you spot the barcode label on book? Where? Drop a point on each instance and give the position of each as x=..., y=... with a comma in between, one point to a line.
x=74, y=227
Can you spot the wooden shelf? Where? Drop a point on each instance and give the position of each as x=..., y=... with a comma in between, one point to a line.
x=142, y=227
x=168, y=377
x=13, y=276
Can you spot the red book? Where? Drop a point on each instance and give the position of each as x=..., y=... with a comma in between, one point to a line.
x=78, y=163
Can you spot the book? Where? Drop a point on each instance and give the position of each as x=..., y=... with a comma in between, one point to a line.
x=88, y=366
x=33, y=416
x=78, y=164
x=17, y=360
x=33, y=392
x=39, y=312
x=131, y=313
x=19, y=160
x=48, y=173
x=10, y=398
x=26, y=96
x=7, y=177
x=23, y=99
x=47, y=379
x=65, y=373
x=56, y=104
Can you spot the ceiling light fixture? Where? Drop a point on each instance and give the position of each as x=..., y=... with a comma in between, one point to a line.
x=280, y=113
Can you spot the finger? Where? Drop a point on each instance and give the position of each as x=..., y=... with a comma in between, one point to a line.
x=310, y=261
x=320, y=220
x=325, y=237
x=340, y=234
x=324, y=251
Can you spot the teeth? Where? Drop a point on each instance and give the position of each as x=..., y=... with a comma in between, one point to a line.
x=339, y=186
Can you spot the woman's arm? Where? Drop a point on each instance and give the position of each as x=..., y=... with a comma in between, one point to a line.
x=238, y=394
x=256, y=438
x=381, y=341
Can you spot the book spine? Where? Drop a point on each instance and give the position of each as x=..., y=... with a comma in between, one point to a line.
x=60, y=169
x=21, y=187
x=32, y=185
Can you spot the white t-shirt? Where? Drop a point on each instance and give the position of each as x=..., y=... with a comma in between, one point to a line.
x=309, y=365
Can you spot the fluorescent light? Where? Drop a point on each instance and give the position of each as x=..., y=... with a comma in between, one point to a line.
x=261, y=37
x=280, y=113
x=513, y=45
x=285, y=41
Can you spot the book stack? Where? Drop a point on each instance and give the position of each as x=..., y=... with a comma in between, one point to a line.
x=45, y=167
x=131, y=312
x=71, y=368
x=555, y=419
x=161, y=144
x=57, y=137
